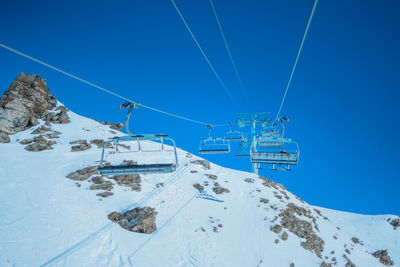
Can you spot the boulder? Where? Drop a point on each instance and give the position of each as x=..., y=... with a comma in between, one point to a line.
x=140, y=220
x=383, y=257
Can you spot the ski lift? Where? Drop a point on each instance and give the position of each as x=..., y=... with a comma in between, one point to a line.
x=123, y=161
x=212, y=145
x=280, y=159
x=275, y=150
x=233, y=135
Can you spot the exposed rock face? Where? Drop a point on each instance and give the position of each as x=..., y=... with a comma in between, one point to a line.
x=106, y=185
x=302, y=228
x=383, y=257
x=24, y=102
x=140, y=220
x=115, y=126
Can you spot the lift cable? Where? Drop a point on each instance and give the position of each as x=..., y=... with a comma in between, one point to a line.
x=106, y=90
x=297, y=57
x=229, y=52
x=204, y=54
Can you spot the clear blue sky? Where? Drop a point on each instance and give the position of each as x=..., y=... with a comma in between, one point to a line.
x=343, y=102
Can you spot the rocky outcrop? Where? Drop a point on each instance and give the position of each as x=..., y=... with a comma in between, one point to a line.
x=79, y=145
x=198, y=187
x=82, y=174
x=383, y=257
x=395, y=223
x=140, y=220
x=25, y=102
x=115, y=126
x=38, y=143
x=302, y=228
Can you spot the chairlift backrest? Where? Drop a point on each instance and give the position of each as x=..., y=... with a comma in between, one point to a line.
x=130, y=168
x=214, y=146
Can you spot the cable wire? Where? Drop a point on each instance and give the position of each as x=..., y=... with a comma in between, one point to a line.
x=203, y=53
x=229, y=52
x=104, y=89
x=297, y=57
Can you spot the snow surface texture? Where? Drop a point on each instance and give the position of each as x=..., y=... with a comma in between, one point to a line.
x=47, y=220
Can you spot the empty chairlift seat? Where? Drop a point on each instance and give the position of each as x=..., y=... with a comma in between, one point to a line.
x=214, y=146
x=127, y=158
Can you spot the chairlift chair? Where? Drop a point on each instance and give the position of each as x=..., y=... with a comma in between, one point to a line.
x=280, y=159
x=212, y=145
x=128, y=167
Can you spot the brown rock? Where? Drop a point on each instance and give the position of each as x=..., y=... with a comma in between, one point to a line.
x=201, y=162
x=198, y=187
x=107, y=185
x=82, y=174
x=105, y=194
x=276, y=228
x=140, y=220
x=383, y=257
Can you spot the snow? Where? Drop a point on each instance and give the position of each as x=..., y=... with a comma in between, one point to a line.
x=46, y=220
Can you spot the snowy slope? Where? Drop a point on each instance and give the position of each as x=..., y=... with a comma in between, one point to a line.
x=47, y=220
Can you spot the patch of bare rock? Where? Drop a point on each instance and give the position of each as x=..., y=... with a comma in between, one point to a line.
x=114, y=126
x=82, y=174
x=140, y=220
x=219, y=189
x=198, y=187
x=394, y=222
x=79, y=145
x=204, y=163
x=301, y=228
x=131, y=180
x=38, y=143
x=383, y=257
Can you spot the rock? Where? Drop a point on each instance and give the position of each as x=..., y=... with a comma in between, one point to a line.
x=82, y=174
x=127, y=180
x=383, y=257
x=53, y=135
x=40, y=130
x=60, y=117
x=38, y=143
x=264, y=200
x=115, y=126
x=100, y=143
x=24, y=102
x=249, y=180
x=324, y=264
x=201, y=162
x=4, y=138
x=395, y=223
x=193, y=171
x=285, y=236
x=349, y=263
x=211, y=176
x=114, y=216
x=219, y=189
x=107, y=185
x=355, y=240
x=302, y=228
x=78, y=142
x=276, y=228
x=79, y=145
x=136, y=187
x=140, y=220
x=105, y=194
x=198, y=187
x=98, y=180
x=276, y=241
x=219, y=225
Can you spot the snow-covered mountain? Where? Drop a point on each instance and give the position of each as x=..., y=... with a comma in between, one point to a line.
x=57, y=211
